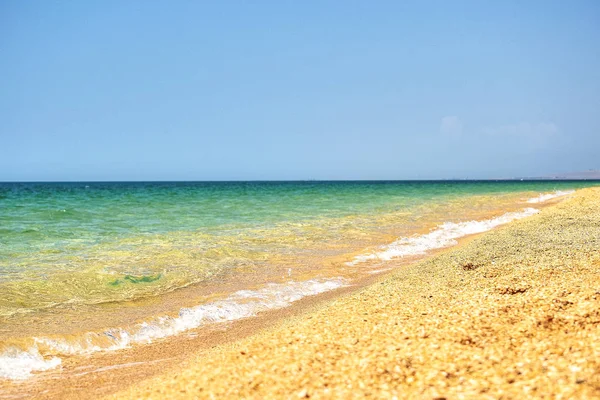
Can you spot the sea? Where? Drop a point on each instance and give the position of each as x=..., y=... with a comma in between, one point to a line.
x=102, y=266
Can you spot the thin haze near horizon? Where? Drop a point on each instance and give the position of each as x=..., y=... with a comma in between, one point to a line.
x=134, y=90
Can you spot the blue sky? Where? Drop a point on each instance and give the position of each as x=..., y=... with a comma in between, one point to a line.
x=185, y=90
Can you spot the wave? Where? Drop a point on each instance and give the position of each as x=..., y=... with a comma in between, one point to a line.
x=547, y=196
x=18, y=364
x=444, y=235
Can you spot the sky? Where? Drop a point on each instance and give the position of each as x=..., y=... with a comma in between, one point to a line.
x=287, y=90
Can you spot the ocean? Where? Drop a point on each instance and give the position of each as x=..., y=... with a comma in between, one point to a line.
x=94, y=267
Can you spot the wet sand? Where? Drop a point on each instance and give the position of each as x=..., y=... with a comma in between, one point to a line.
x=513, y=313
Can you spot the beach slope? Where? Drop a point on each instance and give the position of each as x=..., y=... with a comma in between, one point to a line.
x=514, y=313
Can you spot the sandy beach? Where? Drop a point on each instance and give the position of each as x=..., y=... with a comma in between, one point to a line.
x=513, y=313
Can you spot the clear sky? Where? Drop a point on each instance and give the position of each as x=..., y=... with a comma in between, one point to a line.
x=228, y=90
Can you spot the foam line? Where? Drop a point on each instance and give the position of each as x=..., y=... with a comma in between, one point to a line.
x=548, y=196
x=19, y=364
x=444, y=235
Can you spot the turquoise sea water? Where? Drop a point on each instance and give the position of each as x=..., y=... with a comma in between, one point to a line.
x=66, y=247
x=168, y=234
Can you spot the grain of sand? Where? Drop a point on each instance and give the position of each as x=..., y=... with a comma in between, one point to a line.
x=514, y=313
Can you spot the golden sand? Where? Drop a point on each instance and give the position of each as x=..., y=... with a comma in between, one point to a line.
x=514, y=313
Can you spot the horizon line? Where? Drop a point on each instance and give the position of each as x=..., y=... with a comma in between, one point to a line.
x=516, y=179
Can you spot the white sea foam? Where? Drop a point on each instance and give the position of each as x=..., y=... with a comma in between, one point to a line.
x=18, y=364
x=444, y=235
x=547, y=196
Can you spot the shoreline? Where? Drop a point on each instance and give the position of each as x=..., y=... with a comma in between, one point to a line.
x=125, y=314
x=108, y=371
x=507, y=313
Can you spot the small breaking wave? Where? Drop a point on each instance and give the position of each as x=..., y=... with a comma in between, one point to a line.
x=548, y=196
x=444, y=235
x=19, y=364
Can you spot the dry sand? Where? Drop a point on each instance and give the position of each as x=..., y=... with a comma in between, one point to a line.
x=514, y=313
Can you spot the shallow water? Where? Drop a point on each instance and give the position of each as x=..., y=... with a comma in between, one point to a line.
x=90, y=267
